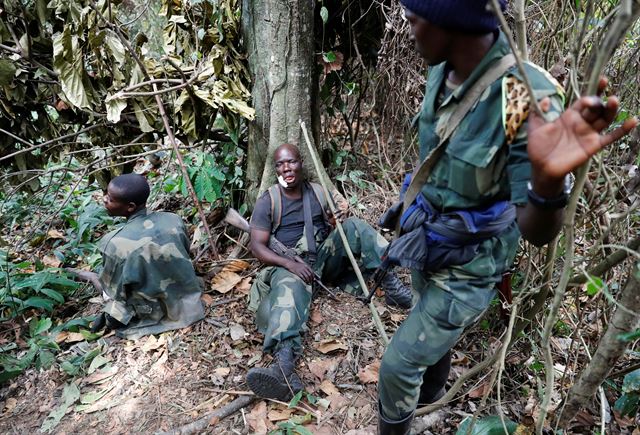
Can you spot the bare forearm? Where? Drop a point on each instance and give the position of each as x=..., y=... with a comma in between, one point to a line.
x=267, y=256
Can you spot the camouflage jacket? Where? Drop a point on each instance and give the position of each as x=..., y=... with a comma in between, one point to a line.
x=148, y=275
x=478, y=166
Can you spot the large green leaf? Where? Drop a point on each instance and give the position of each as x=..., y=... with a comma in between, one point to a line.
x=491, y=425
x=68, y=62
x=7, y=71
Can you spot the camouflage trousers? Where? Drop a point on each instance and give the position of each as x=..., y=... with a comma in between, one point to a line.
x=282, y=300
x=449, y=300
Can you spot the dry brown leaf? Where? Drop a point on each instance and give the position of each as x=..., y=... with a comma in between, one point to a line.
x=225, y=281
x=397, y=317
x=206, y=299
x=101, y=375
x=480, y=390
x=245, y=285
x=330, y=345
x=74, y=337
x=222, y=371
x=316, y=316
x=10, y=404
x=320, y=367
x=55, y=234
x=280, y=414
x=337, y=401
x=321, y=430
x=369, y=374
x=328, y=388
x=51, y=261
x=257, y=418
x=236, y=266
x=154, y=343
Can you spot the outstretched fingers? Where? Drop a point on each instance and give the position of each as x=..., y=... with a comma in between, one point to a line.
x=619, y=132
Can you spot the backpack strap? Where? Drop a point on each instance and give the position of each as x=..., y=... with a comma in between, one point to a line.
x=276, y=207
x=322, y=199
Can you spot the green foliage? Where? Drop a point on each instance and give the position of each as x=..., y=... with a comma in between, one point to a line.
x=491, y=425
x=629, y=402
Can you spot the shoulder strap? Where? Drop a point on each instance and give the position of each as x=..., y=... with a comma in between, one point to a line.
x=321, y=197
x=276, y=207
x=496, y=71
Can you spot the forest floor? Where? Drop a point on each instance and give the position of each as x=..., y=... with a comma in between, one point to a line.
x=162, y=383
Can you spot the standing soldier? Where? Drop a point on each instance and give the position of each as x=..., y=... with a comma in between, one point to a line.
x=491, y=179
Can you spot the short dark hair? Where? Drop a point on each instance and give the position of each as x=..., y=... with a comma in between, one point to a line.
x=131, y=188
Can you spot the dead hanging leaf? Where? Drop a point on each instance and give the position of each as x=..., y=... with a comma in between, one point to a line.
x=257, y=418
x=225, y=281
x=244, y=286
x=54, y=234
x=480, y=390
x=280, y=414
x=328, y=388
x=369, y=374
x=51, y=261
x=330, y=345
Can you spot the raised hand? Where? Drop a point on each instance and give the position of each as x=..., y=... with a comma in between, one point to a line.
x=559, y=147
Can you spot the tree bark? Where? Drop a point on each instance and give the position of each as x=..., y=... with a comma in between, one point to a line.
x=279, y=40
x=611, y=348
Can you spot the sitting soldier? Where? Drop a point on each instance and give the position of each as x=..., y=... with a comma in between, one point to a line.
x=295, y=212
x=147, y=278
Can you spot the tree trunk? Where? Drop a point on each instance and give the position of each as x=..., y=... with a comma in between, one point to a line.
x=279, y=40
x=611, y=348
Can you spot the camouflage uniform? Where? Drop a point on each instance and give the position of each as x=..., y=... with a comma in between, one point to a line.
x=282, y=300
x=148, y=275
x=477, y=169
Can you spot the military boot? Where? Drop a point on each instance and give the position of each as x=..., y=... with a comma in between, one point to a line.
x=396, y=293
x=390, y=427
x=279, y=381
x=434, y=381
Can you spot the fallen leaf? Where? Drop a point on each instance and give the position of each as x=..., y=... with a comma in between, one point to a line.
x=51, y=261
x=320, y=367
x=316, y=316
x=225, y=281
x=101, y=375
x=55, y=234
x=369, y=374
x=70, y=394
x=206, y=299
x=236, y=266
x=397, y=317
x=280, y=414
x=222, y=371
x=337, y=401
x=74, y=337
x=153, y=343
x=10, y=404
x=244, y=286
x=328, y=388
x=330, y=345
x=236, y=331
x=480, y=390
x=257, y=418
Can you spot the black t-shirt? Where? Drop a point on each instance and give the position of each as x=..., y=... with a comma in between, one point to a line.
x=292, y=222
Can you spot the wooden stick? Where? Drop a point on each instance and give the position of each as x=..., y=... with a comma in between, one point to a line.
x=204, y=422
x=343, y=237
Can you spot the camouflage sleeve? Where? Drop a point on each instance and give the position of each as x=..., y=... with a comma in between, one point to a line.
x=261, y=217
x=518, y=165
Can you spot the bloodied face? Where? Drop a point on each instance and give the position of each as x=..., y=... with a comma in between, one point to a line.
x=288, y=166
